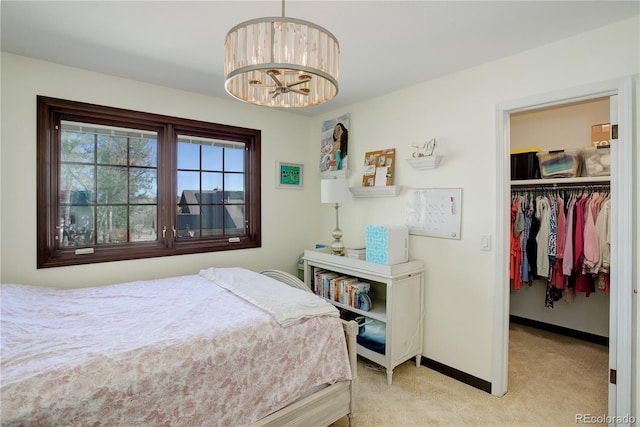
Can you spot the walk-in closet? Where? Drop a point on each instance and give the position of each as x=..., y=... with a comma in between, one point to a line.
x=560, y=225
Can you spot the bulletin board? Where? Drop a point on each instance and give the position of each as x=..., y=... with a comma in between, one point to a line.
x=378, y=168
x=435, y=212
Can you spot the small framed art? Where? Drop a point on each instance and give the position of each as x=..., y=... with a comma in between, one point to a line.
x=289, y=175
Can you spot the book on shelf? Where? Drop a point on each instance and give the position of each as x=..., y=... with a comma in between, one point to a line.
x=345, y=286
x=355, y=290
x=321, y=280
x=339, y=288
x=334, y=288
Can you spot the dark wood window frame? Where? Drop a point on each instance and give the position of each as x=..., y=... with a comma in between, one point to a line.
x=50, y=253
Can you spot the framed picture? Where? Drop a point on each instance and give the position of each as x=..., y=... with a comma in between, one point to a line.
x=334, y=145
x=289, y=175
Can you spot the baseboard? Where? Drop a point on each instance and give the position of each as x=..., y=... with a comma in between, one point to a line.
x=456, y=374
x=585, y=336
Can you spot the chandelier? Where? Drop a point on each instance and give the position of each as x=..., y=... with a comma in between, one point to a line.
x=281, y=62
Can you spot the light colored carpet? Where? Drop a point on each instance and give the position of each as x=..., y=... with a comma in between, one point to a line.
x=552, y=378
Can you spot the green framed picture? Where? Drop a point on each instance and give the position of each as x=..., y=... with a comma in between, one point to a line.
x=289, y=175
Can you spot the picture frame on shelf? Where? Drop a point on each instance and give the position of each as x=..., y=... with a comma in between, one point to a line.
x=289, y=175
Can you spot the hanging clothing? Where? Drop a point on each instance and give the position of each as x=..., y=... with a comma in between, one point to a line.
x=562, y=239
x=584, y=282
x=567, y=260
x=591, y=248
x=532, y=244
x=517, y=225
x=557, y=275
x=524, y=266
x=542, y=239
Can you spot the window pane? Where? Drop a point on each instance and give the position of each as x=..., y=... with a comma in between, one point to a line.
x=211, y=181
x=234, y=182
x=234, y=219
x=188, y=186
x=189, y=222
x=77, y=147
x=76, y=225
x=112, y=184
x=112, y=224
x=234, y=160
x=143, y=222
x=143, y=152
x=188, y=156
x=212, y=220
x=143, y=185
x=112, y=150
x=211, y=158
x=77, y=181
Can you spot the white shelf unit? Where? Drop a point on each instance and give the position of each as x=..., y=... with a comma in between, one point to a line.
x=397, y=291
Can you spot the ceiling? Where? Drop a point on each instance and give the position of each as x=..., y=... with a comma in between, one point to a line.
x=385, y=45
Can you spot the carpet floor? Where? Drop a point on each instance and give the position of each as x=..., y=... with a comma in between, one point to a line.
x=554, y=380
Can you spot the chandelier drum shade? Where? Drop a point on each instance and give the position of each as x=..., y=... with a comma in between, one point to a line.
x=281, y=62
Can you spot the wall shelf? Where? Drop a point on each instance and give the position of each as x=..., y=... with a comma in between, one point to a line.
x=425, y=162
x=342, y=173
x=386, y=191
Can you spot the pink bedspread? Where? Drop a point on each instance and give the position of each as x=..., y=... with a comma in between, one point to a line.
x=180, y=351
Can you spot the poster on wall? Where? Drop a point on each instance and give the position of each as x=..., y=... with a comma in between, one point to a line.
x=334, y=146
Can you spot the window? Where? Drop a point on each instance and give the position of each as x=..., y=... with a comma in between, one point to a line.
x=116, y=184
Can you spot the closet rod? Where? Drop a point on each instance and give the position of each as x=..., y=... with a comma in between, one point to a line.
x=554, y=187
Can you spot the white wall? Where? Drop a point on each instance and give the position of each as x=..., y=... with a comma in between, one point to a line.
x=283, y=138
x=459, y=110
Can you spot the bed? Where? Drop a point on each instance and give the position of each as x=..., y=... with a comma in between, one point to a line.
x=224, y=347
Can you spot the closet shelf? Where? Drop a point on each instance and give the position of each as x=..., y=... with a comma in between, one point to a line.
x=555, y=181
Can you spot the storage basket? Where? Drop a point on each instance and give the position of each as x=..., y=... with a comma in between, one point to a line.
x=560, y=164
x=597, y=161
x=524, y=164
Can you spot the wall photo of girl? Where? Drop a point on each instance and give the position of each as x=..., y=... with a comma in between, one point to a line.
x=334, y=144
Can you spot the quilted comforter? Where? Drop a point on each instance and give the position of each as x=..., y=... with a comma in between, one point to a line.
x=176, y=351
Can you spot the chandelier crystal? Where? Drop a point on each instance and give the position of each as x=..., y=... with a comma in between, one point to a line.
x=281, y=62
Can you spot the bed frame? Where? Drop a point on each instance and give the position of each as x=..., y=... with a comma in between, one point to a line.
x=329, y=404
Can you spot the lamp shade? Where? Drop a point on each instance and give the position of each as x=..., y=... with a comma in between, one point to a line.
x=334, y=190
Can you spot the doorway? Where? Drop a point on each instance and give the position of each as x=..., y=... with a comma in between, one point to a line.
x=620, y=320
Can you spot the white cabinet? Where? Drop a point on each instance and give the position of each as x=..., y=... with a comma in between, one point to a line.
x=397, y=292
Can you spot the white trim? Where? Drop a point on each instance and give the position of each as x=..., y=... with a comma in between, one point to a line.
x=500, y=350
x=622, y=249
x=622, y=264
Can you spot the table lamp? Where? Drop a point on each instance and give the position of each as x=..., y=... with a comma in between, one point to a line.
x=335, y=191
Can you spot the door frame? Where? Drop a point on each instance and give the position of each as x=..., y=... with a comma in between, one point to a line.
x=621, y=296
